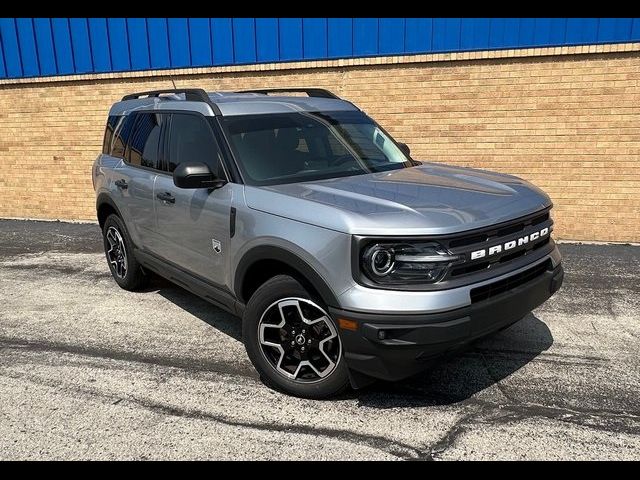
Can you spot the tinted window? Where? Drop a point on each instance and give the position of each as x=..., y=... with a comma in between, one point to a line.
x=191, y=140
x=305, y=146
x=112, y=121
x=143, y=148
x=121, y=135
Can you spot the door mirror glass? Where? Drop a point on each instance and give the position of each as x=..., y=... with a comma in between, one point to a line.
x=195, y=175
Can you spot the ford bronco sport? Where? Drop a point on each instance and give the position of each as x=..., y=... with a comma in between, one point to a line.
x=346, y=259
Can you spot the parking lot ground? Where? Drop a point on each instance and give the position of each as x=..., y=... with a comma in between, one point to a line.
x=90, y=371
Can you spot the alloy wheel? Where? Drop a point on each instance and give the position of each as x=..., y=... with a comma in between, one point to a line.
x=299, y=340
x=116, y=253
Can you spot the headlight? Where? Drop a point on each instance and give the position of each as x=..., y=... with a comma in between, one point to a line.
x=406, y=263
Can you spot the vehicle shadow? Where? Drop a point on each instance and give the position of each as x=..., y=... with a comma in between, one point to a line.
x=448, y=381
x=457, y=378
x=196, y=306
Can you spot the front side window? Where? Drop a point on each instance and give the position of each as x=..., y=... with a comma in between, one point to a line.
x=191, y=140
x=306, y=146
x=144, y=141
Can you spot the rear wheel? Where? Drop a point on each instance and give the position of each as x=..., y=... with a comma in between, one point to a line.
x=292, y=340
x=118, y=248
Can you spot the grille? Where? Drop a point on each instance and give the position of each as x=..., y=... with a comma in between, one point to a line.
x=496, y=288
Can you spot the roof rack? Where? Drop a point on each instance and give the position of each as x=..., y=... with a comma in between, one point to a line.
x=312, y=92
x=190, y=94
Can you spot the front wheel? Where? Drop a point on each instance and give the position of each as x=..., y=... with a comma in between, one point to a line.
x=292, y=340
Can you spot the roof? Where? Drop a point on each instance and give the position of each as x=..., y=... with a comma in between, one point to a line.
x=232, y=103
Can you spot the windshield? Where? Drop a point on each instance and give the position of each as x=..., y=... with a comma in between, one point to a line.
x=304, y=146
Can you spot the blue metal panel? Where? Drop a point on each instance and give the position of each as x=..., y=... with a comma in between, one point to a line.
x=504, y=32
x=179, y=42
x=581, y=30
x=27, y=43
x=138, y=43
x=80, y=44
x=314, y=37
x=244, y=40
x=446, y=34
x=527, y=32
x=391, y=35
x=9, y=38
x=62, y=44
x=635, y=32
x=200, y=41
x=365, y=36
x=222, y=37
x=615, y=29
x=3, y=70
x=474, y=34
x=340, y=41
x=549, y=31
x=158, y=43
x=99, y=44
x=118, y=43
x=290, y=38
x=267, y=39
x=418, y=35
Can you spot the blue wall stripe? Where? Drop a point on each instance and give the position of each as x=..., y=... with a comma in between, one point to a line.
x=27, y=43
x=99, y=44
x=42, y=46
x=315, y=37
x=340, y=37
x=158, y=43
x=418, y=32
x=365, y=36
x=12, y=60
x=446, y=34
x=118, y=43
x=81, y=45
x=222, y=38
x=290, y=38
x=62, y=45
x=179, y=42
x=267, y=39
x=200, y=41
x=390, y=35
x=138, y=43
x=244, y=40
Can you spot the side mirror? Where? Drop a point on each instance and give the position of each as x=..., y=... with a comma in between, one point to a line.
x=196, y=175
x=405, y=149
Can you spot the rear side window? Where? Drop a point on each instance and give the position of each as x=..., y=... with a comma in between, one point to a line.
x=144, y=141
x=112, y=121
x=191, y=140
x=121, y=135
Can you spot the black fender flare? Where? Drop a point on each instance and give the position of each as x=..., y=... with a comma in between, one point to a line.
x=269, y=252
x=105, y=198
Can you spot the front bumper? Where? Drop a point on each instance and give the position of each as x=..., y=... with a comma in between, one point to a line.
x=396, y=346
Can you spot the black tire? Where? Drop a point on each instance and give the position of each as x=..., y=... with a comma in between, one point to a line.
x=132, y=278
x=283, y=288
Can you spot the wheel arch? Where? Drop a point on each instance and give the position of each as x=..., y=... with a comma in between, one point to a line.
x=265, y=261
x=105, y=206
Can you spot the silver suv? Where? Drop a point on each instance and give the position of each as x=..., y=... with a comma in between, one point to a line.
x=347, y=260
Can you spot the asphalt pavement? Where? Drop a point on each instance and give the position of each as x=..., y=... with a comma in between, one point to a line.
x=90, y=371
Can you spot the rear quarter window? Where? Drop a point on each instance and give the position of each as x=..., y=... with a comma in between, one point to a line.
x=121, y=135
x=112, y=121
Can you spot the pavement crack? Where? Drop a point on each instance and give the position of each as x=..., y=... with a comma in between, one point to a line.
x=449, y=439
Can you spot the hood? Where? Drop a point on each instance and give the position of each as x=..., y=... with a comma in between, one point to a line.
x=430, y=199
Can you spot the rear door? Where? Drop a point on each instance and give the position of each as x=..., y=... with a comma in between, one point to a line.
x=193, y=224
x=137, y=143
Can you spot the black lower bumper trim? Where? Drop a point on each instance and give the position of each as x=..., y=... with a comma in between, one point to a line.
x=393, y=347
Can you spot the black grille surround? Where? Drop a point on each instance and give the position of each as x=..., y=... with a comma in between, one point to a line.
x=486, y=292
x=467, y=271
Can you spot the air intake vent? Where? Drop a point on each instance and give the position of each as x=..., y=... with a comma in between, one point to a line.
x=496, y=288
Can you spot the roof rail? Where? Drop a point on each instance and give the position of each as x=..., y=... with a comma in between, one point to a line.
x=312, y=92
x=190, y=94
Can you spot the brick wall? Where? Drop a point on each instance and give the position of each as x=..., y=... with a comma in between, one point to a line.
x=568, y=119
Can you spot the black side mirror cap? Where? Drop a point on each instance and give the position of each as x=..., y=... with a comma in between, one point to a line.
x=405, y=149
x=196, y=175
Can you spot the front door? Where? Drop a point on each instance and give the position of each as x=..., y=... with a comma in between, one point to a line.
x=192, y=225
